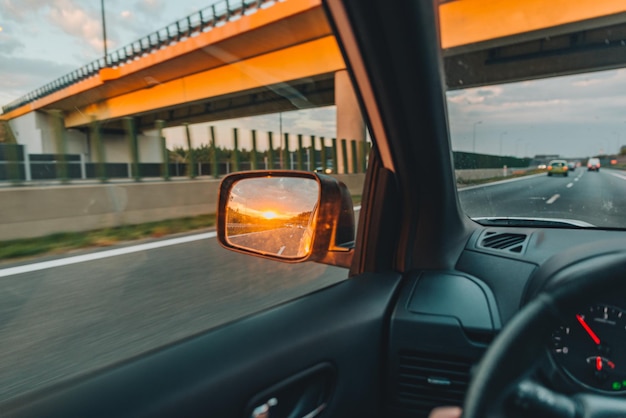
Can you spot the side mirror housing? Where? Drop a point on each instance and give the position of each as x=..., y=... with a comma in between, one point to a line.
x=289, y=216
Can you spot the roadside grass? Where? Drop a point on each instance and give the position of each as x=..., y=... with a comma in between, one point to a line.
x=472, y=182
x=67, y=241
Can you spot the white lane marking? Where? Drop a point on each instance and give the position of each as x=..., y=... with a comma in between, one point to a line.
x=577, y=178
x=495, y=183
x=569, y=185
x=28, y=268
x=619, y=176
x=553, y=199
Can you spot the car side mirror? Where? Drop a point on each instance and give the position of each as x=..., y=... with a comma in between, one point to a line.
x=289, y=216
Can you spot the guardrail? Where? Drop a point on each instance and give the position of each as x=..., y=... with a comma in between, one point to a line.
x=193, y=24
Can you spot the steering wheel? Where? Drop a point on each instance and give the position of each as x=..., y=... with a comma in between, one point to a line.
x=503, y=380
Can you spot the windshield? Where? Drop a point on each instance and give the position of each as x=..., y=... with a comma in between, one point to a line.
x=550, y=148
x=537, y=124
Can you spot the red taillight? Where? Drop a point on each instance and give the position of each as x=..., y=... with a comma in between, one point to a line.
x=549, y=167
x=565, y=168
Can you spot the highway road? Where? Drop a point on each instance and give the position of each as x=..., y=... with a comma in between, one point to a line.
x=65, y=316
x=597, y=198
x=287, y=242
x=62, y=317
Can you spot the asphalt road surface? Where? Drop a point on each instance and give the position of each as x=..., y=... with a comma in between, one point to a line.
x=59, y=321
x=287, y=242
x=597, y=198
x=62, y=317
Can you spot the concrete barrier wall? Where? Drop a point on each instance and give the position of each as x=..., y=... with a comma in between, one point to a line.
x=27, y=212
x=486, y=173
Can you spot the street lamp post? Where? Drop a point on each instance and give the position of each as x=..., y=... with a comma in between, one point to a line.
x=474, y=136
x=104, y=34
x=616, y=142
x=501, y=135
x=516, y=148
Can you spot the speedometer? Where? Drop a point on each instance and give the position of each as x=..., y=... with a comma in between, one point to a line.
x=591, y=348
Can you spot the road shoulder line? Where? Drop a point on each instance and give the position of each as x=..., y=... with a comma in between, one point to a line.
x=66, y=261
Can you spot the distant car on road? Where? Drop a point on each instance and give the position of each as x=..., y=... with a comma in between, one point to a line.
x=593, y=164
x=557, y=167
x=571, y=166
x=327, y=170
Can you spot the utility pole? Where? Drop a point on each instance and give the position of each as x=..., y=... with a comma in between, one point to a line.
x=104, y=34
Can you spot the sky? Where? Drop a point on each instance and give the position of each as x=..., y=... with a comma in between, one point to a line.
x=575, y=116
x=42, y=40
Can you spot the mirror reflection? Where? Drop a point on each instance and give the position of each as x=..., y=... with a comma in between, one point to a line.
x=272, y=215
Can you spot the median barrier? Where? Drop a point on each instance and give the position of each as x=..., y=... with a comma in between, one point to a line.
x=486, y=173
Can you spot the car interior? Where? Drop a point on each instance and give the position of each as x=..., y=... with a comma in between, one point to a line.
x=500, y=318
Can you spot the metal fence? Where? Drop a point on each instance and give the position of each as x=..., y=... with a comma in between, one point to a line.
x=192, y=25
x=22, y=171
x=17, y=166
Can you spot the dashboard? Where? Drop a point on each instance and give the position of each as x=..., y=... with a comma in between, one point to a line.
x=443, y=321
x=588, y=350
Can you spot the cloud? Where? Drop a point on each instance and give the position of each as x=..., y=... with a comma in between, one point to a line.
x=585, y=83
x=9, y=43
x=20, y=10
x=151, y=8
x=475, y=95
x=21, y=75
x=567, y=115
x=489, y=91
x=77, y=22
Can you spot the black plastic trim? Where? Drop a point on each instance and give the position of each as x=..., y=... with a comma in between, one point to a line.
x=217, y=373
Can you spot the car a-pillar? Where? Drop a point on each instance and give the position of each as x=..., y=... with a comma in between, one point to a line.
x=350, y=124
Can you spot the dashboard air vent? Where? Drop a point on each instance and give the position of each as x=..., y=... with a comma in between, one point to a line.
x=504, y=241
x=427, y=380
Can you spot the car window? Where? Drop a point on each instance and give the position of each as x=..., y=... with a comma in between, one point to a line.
x=110, y=161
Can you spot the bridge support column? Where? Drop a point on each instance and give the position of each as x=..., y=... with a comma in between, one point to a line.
x=323, y=153
x=300, y=153
x=214, y=156
x=61, y=145
x=312, y=162
x=165, y=167
x=270, y=151
x=191, y=160
x=133, y=143
x=350, y=123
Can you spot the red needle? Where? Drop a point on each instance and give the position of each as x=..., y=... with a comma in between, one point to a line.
x=592, y=334
x=598, y=363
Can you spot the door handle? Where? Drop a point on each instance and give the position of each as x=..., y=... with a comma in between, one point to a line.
x=303, y=395
x=263, y=411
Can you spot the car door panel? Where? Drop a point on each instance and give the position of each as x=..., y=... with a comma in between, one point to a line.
x=219, y=373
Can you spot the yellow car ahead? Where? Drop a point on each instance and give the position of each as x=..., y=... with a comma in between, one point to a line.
x=558, y=167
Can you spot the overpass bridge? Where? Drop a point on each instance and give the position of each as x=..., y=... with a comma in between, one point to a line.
x=212, y=65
